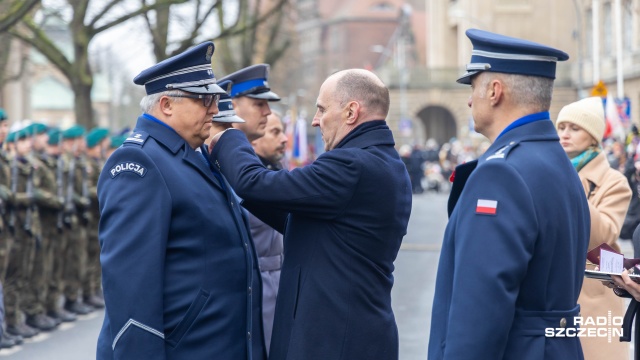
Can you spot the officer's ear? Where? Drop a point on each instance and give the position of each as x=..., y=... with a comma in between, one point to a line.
x=353, y=112
x=496, y=92
x=166, y=105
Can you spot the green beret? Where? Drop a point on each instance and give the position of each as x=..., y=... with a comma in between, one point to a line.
x=3, y=114
x=118, y=140
x=73, y=132
x=96, y=135
x=11, y=137
x=54, y=136
x=35, y=129
x=20, y=134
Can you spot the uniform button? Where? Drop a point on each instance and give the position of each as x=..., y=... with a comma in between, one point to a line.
x=249, y=335
x=249, y=290
x=563, y=322
x=246, y=245
x=232, y=204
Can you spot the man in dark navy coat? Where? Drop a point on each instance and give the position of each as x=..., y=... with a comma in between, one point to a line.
x=512, y=259
x=343, y=218
x=179, y=271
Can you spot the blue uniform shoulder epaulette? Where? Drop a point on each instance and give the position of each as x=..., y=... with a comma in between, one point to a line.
x=504, y=151
x=137, y=137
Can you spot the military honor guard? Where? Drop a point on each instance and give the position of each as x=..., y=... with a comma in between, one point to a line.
x=513, y=255
x=179, y=272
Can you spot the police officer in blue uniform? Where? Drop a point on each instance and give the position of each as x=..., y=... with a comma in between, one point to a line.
x=179, y=272
x=512, y=259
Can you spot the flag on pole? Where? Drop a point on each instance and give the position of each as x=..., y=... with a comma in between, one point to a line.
x=613, y=119
x=300, y=147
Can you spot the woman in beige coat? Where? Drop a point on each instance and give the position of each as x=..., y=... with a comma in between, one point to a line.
x=581, y=127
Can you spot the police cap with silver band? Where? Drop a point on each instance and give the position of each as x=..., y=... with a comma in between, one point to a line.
x=504, y=54
x=226, y=114
x=251, y=82
x=189, y=71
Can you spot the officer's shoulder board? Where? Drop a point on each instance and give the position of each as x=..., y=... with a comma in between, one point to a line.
x=137, y=138
x=503, y=152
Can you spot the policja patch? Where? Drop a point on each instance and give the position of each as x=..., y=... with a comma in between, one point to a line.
x=128, y=166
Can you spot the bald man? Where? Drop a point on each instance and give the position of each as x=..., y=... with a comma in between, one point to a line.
x=345, y=215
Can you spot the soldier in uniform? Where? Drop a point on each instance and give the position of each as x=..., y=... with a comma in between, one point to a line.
x=513, y=254
x=250, y=94
x=75, y=204
x=47, y=206
x=6, y=340
x=23, y=224
x=179, y=274
x=55, y=161
x=97, y=142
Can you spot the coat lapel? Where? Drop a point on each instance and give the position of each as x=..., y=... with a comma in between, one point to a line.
x=198, y=161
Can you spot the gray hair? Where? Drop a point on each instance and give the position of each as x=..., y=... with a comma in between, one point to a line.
x=364, y=87
x=149, y=102
x=531, y=92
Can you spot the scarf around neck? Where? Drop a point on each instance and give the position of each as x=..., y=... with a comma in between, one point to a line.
x=583, y=159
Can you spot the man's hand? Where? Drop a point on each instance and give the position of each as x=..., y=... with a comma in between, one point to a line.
x=217, y=130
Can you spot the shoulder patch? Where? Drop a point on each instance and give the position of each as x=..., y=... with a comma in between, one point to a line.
x=128, y=166
x=503, y=151
x=137, y=137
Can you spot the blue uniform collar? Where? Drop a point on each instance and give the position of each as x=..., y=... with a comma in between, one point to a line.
x=531, y=131
x=160, y=131
x=525, y=120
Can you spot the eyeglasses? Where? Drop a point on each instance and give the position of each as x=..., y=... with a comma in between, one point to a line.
x=207, y=99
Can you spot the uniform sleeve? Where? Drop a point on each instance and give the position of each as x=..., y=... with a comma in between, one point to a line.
x=491, y=255
x=45, y=190
x=135, y=210
x=608, y=213
x=321, y=189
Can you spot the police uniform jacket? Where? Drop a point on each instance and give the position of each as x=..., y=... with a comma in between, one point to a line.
x=512, y=264
x=179, y=273
x=347, y=214
x=608, y=193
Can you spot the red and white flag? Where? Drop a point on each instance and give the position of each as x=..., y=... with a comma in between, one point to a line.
x=486, y=207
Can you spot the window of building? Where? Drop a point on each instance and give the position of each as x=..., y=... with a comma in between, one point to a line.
x=607, y=30
x=627, y=25
x=383, y=6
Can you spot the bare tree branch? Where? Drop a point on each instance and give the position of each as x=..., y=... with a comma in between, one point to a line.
x=16, y=11
x=102, y=13
x=159, y=4
x=40, y=41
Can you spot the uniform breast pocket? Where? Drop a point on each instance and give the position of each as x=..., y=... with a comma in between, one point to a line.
x=189, y=318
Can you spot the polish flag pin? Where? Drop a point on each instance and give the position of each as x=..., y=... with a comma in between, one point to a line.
x=486, y=207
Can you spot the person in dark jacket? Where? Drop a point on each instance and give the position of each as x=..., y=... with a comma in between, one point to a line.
x=343, y=218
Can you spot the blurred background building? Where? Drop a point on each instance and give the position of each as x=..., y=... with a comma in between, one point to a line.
x=418, y=48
